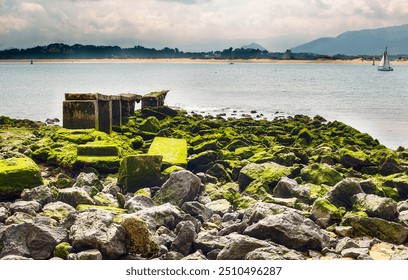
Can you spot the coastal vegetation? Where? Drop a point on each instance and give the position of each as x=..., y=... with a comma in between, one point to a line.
x=239, y=188
x=78, y=51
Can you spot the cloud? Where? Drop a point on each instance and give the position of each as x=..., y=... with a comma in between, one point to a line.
x=192, y=24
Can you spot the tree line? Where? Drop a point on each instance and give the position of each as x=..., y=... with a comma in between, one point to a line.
x=78, y=51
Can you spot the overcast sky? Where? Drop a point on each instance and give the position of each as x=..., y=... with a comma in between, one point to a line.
x=190, y=25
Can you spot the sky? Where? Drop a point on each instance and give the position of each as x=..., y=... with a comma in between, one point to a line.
x=190, y=25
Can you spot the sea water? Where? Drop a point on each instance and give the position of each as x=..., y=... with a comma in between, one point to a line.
x=357, y=94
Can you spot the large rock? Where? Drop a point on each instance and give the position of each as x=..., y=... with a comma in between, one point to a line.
x=182, y=186
x=288, y=188
x=341, y=194
x=35, y=240
x=320, y=174
x=198, y=210
x=376, y=227
x=58, y=211
x=138, y=202
x=207, y=241
x=99, y=155
x=139, y=239
x=41, y=194
x=150, y=124
x=274, y=252
x=184, y=240
x=96, y=229
x=74, y=196
x=163, y=215
x=89, y=182
x=17, y=174
x=239, y=246
x=202, y=161
x=398, y=181
x=30, y=207
x=139, y=171
x=291, y=230
x=174, y=151
x=323, y=209
x=268, y=173
x=261, y=210
x=375, y=206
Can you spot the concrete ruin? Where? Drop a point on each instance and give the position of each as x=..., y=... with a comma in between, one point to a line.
x=154, y=99
x=99, y=111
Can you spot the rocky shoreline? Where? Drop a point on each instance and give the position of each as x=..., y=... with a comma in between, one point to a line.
x=291, y=188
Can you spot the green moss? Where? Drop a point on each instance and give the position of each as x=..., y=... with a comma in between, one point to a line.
x=17, y=174
x=320, y=174
x=116, y=210
x=143, y=192
x=62, y=250
x=101, y=163
x=98, y=148
x=229, y=191
x=323, y=208
x=171, y=169
x=174, y=151
x=244, y=202
x=317, y=190
x=150, y=124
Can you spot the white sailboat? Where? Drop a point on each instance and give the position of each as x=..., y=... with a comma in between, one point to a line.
x=385, y=63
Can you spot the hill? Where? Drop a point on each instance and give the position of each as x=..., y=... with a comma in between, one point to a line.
x=362, y=42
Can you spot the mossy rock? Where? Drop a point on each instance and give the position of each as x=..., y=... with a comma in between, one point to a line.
x=17, y=174
x=139, y=171
x=220, y=172
x=202, y=161
x=375, y=227
x=101, y=163
x=268, y=173
x=98, y=148
x=115, y=210
x=62, y=250
x=229, y=191
x=78, y=136
x=166, y=172
x=320, y=174
x=398, y=182
x=150, y=124
x=244, y=202
x=173, y=151
x=354, y=159
x=322, y=208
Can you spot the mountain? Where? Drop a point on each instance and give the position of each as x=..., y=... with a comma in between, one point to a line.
x=362, y=42
x=254, y=46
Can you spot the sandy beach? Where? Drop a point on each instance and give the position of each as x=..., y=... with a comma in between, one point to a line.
x=190, y=60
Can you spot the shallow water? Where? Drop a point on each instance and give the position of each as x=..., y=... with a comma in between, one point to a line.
x=359, y=95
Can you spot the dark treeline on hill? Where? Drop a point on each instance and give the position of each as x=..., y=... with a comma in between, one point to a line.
x=78, y=51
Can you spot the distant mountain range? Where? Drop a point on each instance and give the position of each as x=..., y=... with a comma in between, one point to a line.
x=362, y=42
x=253, y=46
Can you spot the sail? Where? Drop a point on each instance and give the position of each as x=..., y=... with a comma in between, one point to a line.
x=385, y=63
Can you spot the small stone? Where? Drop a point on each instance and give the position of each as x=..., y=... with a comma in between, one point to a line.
x=92, y=254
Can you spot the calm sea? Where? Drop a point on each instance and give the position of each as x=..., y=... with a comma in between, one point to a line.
x=359, y=95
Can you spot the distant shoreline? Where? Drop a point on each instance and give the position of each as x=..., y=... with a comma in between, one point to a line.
x=191, y=60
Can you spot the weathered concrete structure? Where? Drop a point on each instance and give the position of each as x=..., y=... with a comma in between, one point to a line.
x=154, y=99
x=95, y=110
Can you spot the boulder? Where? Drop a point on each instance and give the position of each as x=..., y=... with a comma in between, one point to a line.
x=274, y=252
x=89, y=182
x=99, y=155
x=182, y=186
x=139, y=171
x=34, y=240
x=323, y=209
x=239, y=246
x=138, y=202
x=91, y=254
x=354, y=159
x=163, y=215
x=390, y=165
x=184, y=240
x=268, y=173
x=174, y=151
x=202, y=161
x=320, y=174
x=74, y=196
x=139, y=239
x=291, y=230
x=375, y=206
x=207, y=241
x=41, y=194
x=150, y=124
x=376, y=227
x=341, y=194
x=17, y=174
x=355, y=253
x=19, y=218
x=58, y=211
x=288, y=188
x=96, y=229
x=198, y=210
x=219, y=206
x=398, y=181
x=105, y=199
x=30, y=207
x=261, y=210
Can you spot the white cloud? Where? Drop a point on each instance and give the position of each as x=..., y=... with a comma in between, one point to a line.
x=192, y=23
